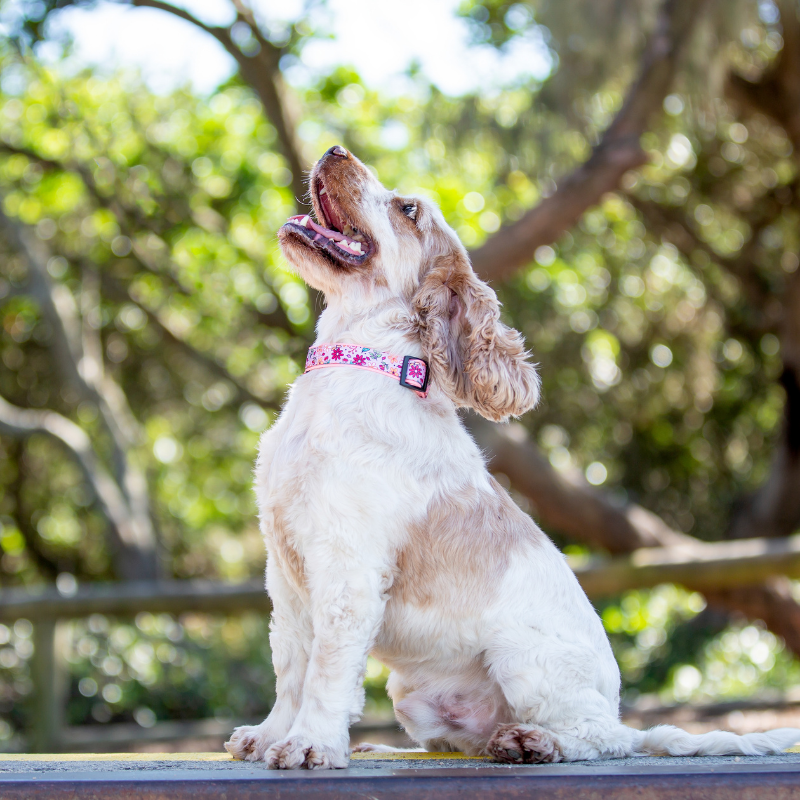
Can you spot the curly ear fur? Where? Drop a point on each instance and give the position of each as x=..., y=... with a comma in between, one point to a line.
x=476, y=359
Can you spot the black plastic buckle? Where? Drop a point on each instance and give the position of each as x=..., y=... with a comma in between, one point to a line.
x=404, y=373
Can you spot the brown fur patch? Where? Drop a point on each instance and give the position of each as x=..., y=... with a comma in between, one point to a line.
x=461, y=547
x=281, y=547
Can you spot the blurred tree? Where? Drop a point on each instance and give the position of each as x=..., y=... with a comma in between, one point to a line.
x=644, y=239
x=122, y=261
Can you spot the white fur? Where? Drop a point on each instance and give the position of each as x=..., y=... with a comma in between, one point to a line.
x=523, y=671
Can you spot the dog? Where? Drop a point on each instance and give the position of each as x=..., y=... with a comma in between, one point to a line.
x=386, y=534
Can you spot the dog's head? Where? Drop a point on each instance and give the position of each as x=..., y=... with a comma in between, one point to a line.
x=370, y=245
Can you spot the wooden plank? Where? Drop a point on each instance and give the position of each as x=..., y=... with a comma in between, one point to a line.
x=134, y=597
x=221, y=756
x=415, y=756
x=445, y=781
x=717, y=565
x=50, y=681
x=123, y=757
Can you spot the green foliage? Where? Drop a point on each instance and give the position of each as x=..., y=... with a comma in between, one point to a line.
x=191, y=256
x=742, y=660
x=659, y=364
x=160, y=668
x=156, y=668
x=16, y=649
x=668, y=643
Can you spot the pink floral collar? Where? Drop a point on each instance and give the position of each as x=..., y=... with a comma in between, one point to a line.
x=410, y=371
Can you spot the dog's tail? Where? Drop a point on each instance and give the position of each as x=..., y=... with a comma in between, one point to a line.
x=667, y=740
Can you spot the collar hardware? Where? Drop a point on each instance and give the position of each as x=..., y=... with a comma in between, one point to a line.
x=415, y=374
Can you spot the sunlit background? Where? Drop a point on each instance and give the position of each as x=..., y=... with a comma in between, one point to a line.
x=148, y=175
x=170, y=52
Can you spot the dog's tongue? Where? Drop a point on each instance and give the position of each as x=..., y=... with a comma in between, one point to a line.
x=307, y=222
x=330, y=212
x=349, y=246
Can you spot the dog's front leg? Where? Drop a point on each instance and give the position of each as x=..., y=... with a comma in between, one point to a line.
x=291, y=634
x=347, y=607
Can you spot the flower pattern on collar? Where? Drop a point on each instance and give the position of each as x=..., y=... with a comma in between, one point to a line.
x=334, y=355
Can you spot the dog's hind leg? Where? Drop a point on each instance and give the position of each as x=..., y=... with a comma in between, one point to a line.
x=565, y=709
x=562, y=701
x=518, y=742
x=584, y=741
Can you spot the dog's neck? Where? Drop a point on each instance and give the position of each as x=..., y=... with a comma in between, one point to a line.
x=389, y=326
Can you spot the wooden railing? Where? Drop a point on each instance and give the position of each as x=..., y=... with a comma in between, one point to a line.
x=709, y=566
x=48, y=608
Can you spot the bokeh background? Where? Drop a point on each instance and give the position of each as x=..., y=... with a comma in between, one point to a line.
x=149, y=151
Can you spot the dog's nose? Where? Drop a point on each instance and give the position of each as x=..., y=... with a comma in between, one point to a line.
x=337, y=151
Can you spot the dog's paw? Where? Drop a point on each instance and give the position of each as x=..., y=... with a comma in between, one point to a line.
x=249, y=742
x=523, y=744
x=299, y=752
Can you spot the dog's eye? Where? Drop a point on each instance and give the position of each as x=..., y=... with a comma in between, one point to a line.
x=410, y=210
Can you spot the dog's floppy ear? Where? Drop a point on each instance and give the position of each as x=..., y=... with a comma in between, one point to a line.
x=476, y=359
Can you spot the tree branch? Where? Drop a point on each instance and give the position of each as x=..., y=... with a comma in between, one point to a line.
x=89, y=379
x=772, y=602
x=777, y=93
x=619, y=151
x=131, y=546
x=591, y=518
x=774, y=509
x=59, y=307
x=33, y=541
x=261, y=70
x=568, y=506
x=716, y=567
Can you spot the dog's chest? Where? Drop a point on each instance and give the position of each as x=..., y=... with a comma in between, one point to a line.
x=350, y=471
x=353, y=458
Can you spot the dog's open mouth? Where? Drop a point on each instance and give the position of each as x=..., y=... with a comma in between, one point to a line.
x=337, y=238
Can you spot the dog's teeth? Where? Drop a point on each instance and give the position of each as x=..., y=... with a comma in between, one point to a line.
x=356, y=246
x=304, y=222
x=323, y=191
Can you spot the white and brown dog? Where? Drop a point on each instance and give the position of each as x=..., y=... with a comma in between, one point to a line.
x=387, y=535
